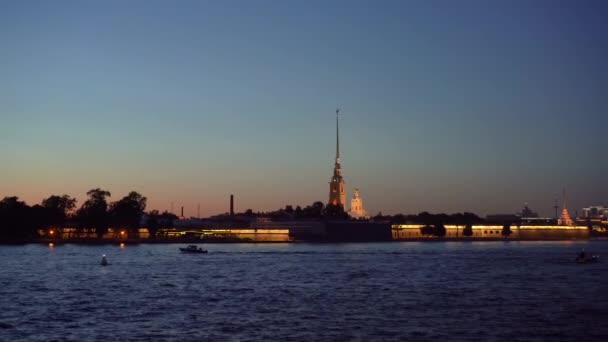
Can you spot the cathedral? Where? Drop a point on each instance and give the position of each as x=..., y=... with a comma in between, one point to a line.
x=565, y=219
x=337, y=185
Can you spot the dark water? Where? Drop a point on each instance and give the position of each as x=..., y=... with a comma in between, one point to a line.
x=457, y=291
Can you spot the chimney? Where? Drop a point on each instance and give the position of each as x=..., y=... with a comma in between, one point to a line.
x=182, y=211
x=231, y=205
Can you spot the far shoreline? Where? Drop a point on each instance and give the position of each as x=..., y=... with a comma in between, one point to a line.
x=94, y=242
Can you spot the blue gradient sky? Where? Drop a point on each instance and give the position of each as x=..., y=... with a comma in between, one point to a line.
x=447, y=105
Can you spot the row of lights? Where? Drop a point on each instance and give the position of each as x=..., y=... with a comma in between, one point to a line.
x=51, y=232
x=122, y=245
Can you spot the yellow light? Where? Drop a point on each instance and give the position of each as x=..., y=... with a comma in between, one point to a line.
x=51, y=244
x=122, y=232
x=51, y=232
x=122, y=245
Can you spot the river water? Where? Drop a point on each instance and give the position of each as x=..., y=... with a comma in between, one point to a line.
x=408, y=291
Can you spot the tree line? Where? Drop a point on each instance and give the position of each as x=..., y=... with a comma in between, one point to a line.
x=314, y=211
x=433, y=224
x=19, y=221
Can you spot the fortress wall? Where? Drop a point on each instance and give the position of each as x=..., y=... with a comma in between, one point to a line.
x=412, y=231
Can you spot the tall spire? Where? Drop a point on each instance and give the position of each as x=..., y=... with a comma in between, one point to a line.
x=337, y=137
x=337, y=191
x=565, y=219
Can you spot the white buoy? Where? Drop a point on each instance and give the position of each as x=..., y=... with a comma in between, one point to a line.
x=104, y=260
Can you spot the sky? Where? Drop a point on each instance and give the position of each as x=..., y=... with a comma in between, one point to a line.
x=446, y=106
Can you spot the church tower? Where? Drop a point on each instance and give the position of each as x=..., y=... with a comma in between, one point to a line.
x=356, y=206
x=337, y=189
x=565, y=219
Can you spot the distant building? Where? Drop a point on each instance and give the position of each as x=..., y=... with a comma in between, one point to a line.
x=595, y=212
x=526, y=212
x=356, y=206
x=337, y=185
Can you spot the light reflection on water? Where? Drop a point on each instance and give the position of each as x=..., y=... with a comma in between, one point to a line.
x=514, y=291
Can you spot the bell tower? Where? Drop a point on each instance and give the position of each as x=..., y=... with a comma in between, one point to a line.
x=337, y=188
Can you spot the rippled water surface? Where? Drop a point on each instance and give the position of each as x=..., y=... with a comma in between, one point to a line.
x=458, y=291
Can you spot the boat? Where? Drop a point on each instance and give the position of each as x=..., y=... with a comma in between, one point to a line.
x=104, y=260
x=192, y=249
x=586, y=258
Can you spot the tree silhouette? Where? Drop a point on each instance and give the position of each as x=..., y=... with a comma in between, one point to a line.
x=426, y=230
x=153, y=223
x=94, y=212
x=166, y=220
x=317, y=209
x=127, y=212
x=298, y=212
x=506, y=230
x=17, y=220
x=57, y=211
x=439, y=230
x=468, y=230
x=334, y=211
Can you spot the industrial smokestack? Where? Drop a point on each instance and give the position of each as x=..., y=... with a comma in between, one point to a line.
x=182, y=211
x=231, y=205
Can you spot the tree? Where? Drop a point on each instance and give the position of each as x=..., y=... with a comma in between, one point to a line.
x=94, y=212
x=166, y=220
x=153, y=223
x=57, y=211
x=17, y=220
x=439, y=230
x=471, y=218
x=127, y=212
x=314, y=211
x=426, y=230
x=298, y=212
x=335, y=211
x=426, y=218
x=436, y=230
x=317, y=209
x=468, y=230
x=398, y=219
x=506, y=230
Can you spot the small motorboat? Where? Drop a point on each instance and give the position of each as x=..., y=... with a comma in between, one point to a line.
x=586, y=258
x=192, y=249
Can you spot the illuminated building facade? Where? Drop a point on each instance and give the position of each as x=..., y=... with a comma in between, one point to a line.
x=337, y=185
x=595, y=212
x=356, y=206
x=564, y=219
x=489, y=231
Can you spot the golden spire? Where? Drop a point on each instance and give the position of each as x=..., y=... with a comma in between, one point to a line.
x=337, y=137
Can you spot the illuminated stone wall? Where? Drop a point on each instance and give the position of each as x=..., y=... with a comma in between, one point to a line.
x=412, y=231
